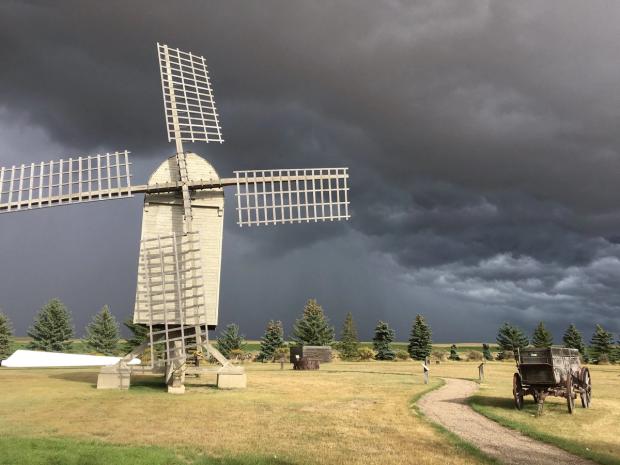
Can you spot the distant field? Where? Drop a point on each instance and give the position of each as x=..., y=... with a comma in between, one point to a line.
x=254, y=345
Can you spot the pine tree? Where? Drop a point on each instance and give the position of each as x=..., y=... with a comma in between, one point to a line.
x=486, y=352
x=102, y=332
x=572, y=339
x=420, y=344
x=313, y=328
x=6, y=331
x=230, y=339
x=271, y=341
x=139, y=334
x=454, y=355
x=384, y=335
x=52, y=328
x=542, y=337
x=349, y=342
x=601, y=344
x=510, y=338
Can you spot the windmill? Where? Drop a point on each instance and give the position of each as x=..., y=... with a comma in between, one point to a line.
x=178, y=284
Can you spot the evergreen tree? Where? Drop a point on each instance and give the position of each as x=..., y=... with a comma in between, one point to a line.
x=313, y=328
x=601, y=344
x=454, y=355
x=486, y=352
x=420, y=343
x=139, y=334
x=271, y=341
x=349, y=342
x=384, y=335
x=230, y=339
x=6, y=331
x=52, y=328
x=572, y=339
x=510, y=338
x=542, y=337
x=102, y=332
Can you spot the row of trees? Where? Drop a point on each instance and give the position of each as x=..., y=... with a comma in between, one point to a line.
x=53, y=331
x=314, y=329
x=602, y=348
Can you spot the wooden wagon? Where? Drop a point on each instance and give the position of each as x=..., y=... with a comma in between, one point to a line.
x=554, y=371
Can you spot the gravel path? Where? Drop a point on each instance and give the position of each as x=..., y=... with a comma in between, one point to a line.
x=447, y=406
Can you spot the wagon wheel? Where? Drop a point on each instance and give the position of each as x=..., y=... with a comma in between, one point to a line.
x=585, y=383
x=517, y=390
x=570, y=400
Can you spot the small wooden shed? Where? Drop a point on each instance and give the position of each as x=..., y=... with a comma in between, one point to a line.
x=321, y=353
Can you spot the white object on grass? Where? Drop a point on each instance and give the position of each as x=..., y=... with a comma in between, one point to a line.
x=36, y=359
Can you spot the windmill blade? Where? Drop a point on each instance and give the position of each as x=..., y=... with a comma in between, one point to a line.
x=292, y=195
x=81, y=179
x=188, y=98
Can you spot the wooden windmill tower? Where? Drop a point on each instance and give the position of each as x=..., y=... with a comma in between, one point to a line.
x=182, y=224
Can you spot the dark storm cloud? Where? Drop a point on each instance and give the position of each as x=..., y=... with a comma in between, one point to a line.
x=481, y=138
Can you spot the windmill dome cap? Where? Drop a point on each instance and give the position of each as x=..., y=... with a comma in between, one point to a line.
x=197, y=168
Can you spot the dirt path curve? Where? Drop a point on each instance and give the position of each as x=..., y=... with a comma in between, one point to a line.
x=447, y=406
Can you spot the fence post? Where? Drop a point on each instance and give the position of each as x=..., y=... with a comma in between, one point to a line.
x=426, y=367
x=481, y=371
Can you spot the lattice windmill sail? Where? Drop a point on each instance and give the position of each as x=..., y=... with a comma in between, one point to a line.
x=177, y=294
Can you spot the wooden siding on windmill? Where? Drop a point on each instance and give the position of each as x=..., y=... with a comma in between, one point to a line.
x=163, y=215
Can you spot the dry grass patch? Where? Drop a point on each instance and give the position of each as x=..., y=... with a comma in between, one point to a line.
x=594, y=432
x=355, y=413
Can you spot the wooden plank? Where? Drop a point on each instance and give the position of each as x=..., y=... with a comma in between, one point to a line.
x=21, y=187
x=31, y=180
x=10, y=199
x=2, y=170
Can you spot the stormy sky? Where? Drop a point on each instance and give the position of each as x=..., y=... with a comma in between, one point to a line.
x=481, y=136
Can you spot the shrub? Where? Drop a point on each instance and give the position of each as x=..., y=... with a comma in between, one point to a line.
x=454, y=355
x=486, y=352
x=440, y=355
x=236, y=354
x=366, y=353
x=603, y=359
x=401, y=354
x=281, y=353
x=475, y=355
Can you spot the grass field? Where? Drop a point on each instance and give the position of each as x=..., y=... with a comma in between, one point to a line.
x=358, y=413
x=593, y=433
x=345, y=413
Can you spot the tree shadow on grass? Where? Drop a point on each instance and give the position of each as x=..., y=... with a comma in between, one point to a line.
x=139, y=382
x=490, y=401
x=87, y=377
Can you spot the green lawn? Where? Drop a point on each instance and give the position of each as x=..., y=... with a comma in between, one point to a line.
x=66, y=451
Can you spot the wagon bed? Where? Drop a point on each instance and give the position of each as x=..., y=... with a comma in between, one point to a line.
x=551, y=371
